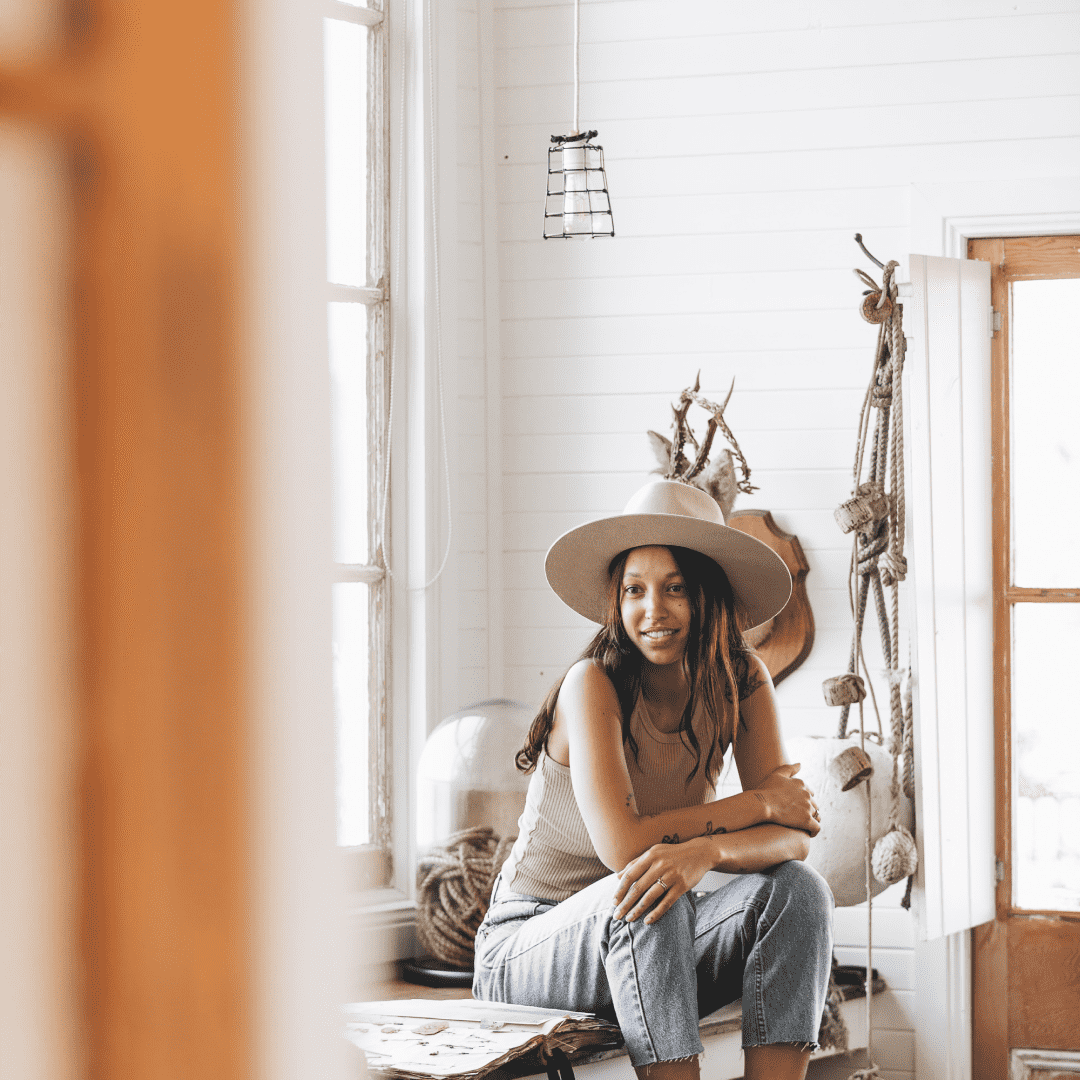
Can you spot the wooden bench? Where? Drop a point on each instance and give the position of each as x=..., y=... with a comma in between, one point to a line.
x=721, y=1036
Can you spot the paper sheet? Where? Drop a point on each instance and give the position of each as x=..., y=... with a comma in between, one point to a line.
x=418, y=1037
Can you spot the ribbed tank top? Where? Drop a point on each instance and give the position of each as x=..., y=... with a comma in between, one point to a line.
x=553, y=857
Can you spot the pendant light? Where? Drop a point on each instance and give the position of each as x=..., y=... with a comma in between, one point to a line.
x=577, y=204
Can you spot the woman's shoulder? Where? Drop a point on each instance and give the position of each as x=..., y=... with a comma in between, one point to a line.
x=587, y=701
x=586, y=678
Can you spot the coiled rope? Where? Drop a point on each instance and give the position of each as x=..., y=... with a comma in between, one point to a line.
x=455, y=891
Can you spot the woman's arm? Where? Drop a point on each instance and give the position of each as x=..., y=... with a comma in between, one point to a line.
x=590, y=719
x=682, y=866
x=759, y=755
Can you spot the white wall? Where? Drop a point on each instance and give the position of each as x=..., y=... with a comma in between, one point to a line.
x=746, y=144
x=479, y=649
x=471, y=391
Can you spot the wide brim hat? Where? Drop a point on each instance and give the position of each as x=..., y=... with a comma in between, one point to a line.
x=672, y=514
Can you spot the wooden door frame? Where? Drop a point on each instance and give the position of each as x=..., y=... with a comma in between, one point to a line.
x=943, y=218
x=991, y=986
x=143, y=97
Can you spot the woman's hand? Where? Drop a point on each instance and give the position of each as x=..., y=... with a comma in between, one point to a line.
x=789, y=801
x=657, y=878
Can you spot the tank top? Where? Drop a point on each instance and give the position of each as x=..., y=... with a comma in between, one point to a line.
x=553, y=856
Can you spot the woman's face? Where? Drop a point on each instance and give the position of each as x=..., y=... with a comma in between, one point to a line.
x=655, y=605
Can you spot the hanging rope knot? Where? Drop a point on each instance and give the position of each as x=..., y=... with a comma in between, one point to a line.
x=881, y=394
x=869, y=505
x=893, y=568
x=454, y=893
x=846, y=689
x=895, y=856
x=869, y=549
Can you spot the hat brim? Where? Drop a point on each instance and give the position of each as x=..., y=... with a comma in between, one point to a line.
x=577, y=563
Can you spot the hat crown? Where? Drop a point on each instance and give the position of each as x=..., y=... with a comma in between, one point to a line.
x=673, y=497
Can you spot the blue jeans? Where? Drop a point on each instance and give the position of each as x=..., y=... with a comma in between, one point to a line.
x=766, y=938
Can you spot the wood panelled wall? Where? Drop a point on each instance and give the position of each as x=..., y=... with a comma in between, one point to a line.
x=746, y=144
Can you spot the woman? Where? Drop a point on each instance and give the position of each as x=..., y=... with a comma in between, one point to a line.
x=595, y=908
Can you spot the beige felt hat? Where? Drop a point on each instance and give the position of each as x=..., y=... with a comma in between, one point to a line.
x=666, y=512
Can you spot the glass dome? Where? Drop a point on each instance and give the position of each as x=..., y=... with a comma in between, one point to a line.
x=467, y=777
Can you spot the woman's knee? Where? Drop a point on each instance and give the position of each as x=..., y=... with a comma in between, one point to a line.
x=677, y=923
x=804, y=889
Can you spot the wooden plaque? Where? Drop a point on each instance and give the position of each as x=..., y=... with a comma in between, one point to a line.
x=785, y=641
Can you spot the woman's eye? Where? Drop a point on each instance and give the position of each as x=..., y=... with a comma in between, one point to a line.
x=679, y=588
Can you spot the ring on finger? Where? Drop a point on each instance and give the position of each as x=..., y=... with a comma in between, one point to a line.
x=663, y=884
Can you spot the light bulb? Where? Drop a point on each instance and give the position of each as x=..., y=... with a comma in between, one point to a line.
x=576, y=211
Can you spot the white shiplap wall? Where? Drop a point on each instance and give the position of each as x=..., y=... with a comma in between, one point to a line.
x=746, y=143
x=469, y=652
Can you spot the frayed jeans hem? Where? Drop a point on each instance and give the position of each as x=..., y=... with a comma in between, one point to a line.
x=667, y=1061
x=813, y=1047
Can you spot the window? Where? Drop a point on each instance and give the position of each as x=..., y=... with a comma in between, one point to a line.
x=357, y=201
x=1036, y=291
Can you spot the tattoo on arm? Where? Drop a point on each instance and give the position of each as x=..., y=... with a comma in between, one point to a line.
x=672, y=839
x=629, y=798
x=754, y=683
x=710, y=831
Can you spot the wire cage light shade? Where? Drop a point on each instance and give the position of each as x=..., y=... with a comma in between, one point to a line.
x=577, y=206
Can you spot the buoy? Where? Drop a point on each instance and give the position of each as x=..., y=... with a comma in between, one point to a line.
x=838, y=851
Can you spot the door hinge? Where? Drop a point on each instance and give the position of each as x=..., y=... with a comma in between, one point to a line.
x=999, y=870
x=994, y=322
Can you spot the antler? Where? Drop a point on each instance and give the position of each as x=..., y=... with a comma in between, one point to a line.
x=692, y=396
x=677, y=461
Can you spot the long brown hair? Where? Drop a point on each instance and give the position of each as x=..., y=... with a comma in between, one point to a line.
x=717, y=664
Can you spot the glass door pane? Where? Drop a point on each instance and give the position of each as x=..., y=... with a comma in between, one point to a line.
x=1046, y=757
x=1045, y=453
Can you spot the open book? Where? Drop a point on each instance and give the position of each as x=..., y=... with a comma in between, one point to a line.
x=416, y=1037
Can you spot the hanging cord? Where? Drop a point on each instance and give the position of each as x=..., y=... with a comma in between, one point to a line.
x=395, y=291
x=438, y=295
x=394, y=328
x=577, y=65
x=871, y=1070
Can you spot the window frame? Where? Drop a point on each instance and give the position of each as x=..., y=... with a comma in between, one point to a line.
x=1032, y=259
x=374, y=861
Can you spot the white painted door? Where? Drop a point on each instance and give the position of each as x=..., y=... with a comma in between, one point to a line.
x=948, y=321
